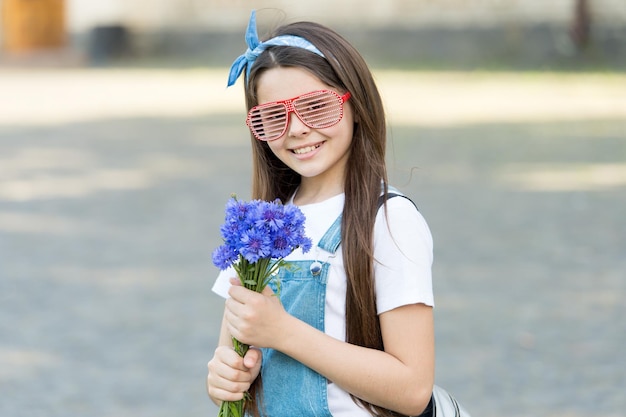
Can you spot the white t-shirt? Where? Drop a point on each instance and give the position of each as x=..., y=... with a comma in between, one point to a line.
x=403, y=253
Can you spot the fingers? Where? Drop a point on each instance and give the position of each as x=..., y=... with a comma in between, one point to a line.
x=252, y=359
x=228, y=377
x=244, y=314
x=243, y=296
x=237, y=283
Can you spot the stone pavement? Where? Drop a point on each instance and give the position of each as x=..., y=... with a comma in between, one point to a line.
x=112, y=187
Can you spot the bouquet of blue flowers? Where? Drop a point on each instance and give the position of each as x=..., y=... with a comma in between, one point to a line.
x=257, y=235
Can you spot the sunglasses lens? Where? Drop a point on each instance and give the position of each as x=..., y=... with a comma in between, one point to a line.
x=267, y=122
x=319, y=109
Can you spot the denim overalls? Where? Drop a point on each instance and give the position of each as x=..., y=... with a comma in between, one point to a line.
x=289, y=387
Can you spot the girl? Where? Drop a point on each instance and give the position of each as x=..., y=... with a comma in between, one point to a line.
x=352, y=331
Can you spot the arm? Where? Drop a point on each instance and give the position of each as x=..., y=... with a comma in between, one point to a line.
x=399, y=378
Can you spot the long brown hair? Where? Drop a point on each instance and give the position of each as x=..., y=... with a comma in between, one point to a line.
x=344, y=69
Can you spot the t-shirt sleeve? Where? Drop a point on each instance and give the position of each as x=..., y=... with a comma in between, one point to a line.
x=403, y=253
x=222, y=284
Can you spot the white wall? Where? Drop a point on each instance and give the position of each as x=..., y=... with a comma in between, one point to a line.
x=84, y=14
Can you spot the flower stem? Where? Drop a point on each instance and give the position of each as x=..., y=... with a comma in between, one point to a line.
x=240, y=348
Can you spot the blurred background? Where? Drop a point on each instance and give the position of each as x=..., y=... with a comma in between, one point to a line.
x=120, y=144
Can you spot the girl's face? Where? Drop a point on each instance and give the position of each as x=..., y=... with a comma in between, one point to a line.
x=316, y=154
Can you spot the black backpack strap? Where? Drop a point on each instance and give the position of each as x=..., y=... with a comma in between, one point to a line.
x=391, y=194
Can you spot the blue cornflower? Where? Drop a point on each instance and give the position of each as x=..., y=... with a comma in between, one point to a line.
x=281, y=245
x=231, y=232
x=270, y=215
x=224, y=256
x=237, y=210
x=255, y=245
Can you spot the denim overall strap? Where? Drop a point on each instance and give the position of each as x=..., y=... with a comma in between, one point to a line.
x=289, y=387
x=332, y=238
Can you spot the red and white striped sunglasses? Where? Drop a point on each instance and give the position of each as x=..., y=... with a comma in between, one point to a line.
x=317, y=109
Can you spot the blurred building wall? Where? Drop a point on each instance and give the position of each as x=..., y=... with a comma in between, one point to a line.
x=469, y=33
x=231, y=15
x=350, y=14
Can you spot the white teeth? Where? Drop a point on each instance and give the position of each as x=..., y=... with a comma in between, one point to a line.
x=307, y=149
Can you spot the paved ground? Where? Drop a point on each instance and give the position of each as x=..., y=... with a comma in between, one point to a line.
x=112, y=186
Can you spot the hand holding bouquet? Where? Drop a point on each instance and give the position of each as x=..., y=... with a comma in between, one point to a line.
x=257, y=235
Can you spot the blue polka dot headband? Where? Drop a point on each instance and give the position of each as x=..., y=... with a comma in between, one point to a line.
x=256, y=47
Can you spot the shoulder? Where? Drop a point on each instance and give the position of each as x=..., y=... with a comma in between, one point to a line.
x=403, y=252
x=400, y=217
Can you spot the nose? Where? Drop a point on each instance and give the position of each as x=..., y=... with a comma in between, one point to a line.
x=296, y=127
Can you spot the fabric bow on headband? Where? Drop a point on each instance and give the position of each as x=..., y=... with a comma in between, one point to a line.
x=255, y=48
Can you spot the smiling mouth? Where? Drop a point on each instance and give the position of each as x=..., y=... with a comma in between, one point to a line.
x=306, y=149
